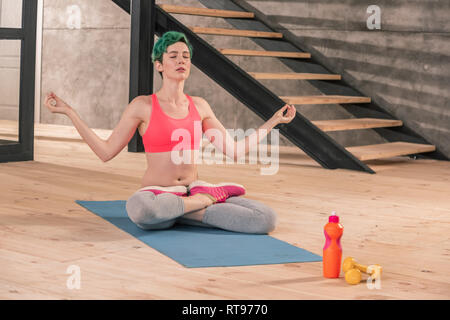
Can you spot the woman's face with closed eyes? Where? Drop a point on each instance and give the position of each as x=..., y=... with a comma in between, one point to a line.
x=176, y=62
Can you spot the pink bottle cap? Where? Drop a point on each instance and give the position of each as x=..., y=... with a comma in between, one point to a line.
x=333, y=218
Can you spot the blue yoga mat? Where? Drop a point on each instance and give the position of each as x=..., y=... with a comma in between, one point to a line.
x=196, y=247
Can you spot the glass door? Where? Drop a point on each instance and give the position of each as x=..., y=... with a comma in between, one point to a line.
x=17, y=77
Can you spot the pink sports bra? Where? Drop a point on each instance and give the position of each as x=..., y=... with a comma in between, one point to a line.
x=158, y=136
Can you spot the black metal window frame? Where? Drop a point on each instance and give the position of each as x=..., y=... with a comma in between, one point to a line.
x=23, y=149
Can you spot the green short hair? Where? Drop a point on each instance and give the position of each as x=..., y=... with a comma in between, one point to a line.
x=168, y=39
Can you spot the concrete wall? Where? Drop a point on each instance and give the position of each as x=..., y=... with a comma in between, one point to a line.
x=85, y=60
x=10, y=17
x=400, y=67
x=404, y=67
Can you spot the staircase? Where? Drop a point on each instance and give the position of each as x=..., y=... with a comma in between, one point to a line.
x=310, y=136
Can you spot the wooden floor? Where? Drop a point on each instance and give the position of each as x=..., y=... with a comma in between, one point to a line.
x=398, y=218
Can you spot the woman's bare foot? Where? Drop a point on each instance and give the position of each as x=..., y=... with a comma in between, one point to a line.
x=195, y=206
x=196, y=202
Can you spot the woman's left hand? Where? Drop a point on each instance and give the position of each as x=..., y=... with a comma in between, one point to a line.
x=290, y=114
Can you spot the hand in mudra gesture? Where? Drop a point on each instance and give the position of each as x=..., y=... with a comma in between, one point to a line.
x=55, y=104
x=286, y=118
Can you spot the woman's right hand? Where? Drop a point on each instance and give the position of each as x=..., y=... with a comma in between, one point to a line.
x=55, y=104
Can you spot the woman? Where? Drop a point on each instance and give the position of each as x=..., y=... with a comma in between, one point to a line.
x=171, y=192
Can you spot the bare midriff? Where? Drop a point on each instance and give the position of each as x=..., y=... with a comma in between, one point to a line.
x=162, y=171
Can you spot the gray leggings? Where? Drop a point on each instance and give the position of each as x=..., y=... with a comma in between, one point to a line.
x=152, y=212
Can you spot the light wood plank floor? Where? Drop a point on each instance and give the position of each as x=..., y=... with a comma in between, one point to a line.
x=398, y=218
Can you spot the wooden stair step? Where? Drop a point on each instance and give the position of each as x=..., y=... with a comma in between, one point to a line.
x=262, y=53
x=237, y=32
x=355, y=124
x=294, y=76
x=206, y=12
x=324, y=99
x=387, y=150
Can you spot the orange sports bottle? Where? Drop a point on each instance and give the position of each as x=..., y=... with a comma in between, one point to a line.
x=332, y=251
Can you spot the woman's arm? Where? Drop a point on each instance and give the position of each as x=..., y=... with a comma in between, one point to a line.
x=121, y=135
x=227, y=145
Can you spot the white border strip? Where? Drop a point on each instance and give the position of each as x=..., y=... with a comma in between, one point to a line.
x=38, y=75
